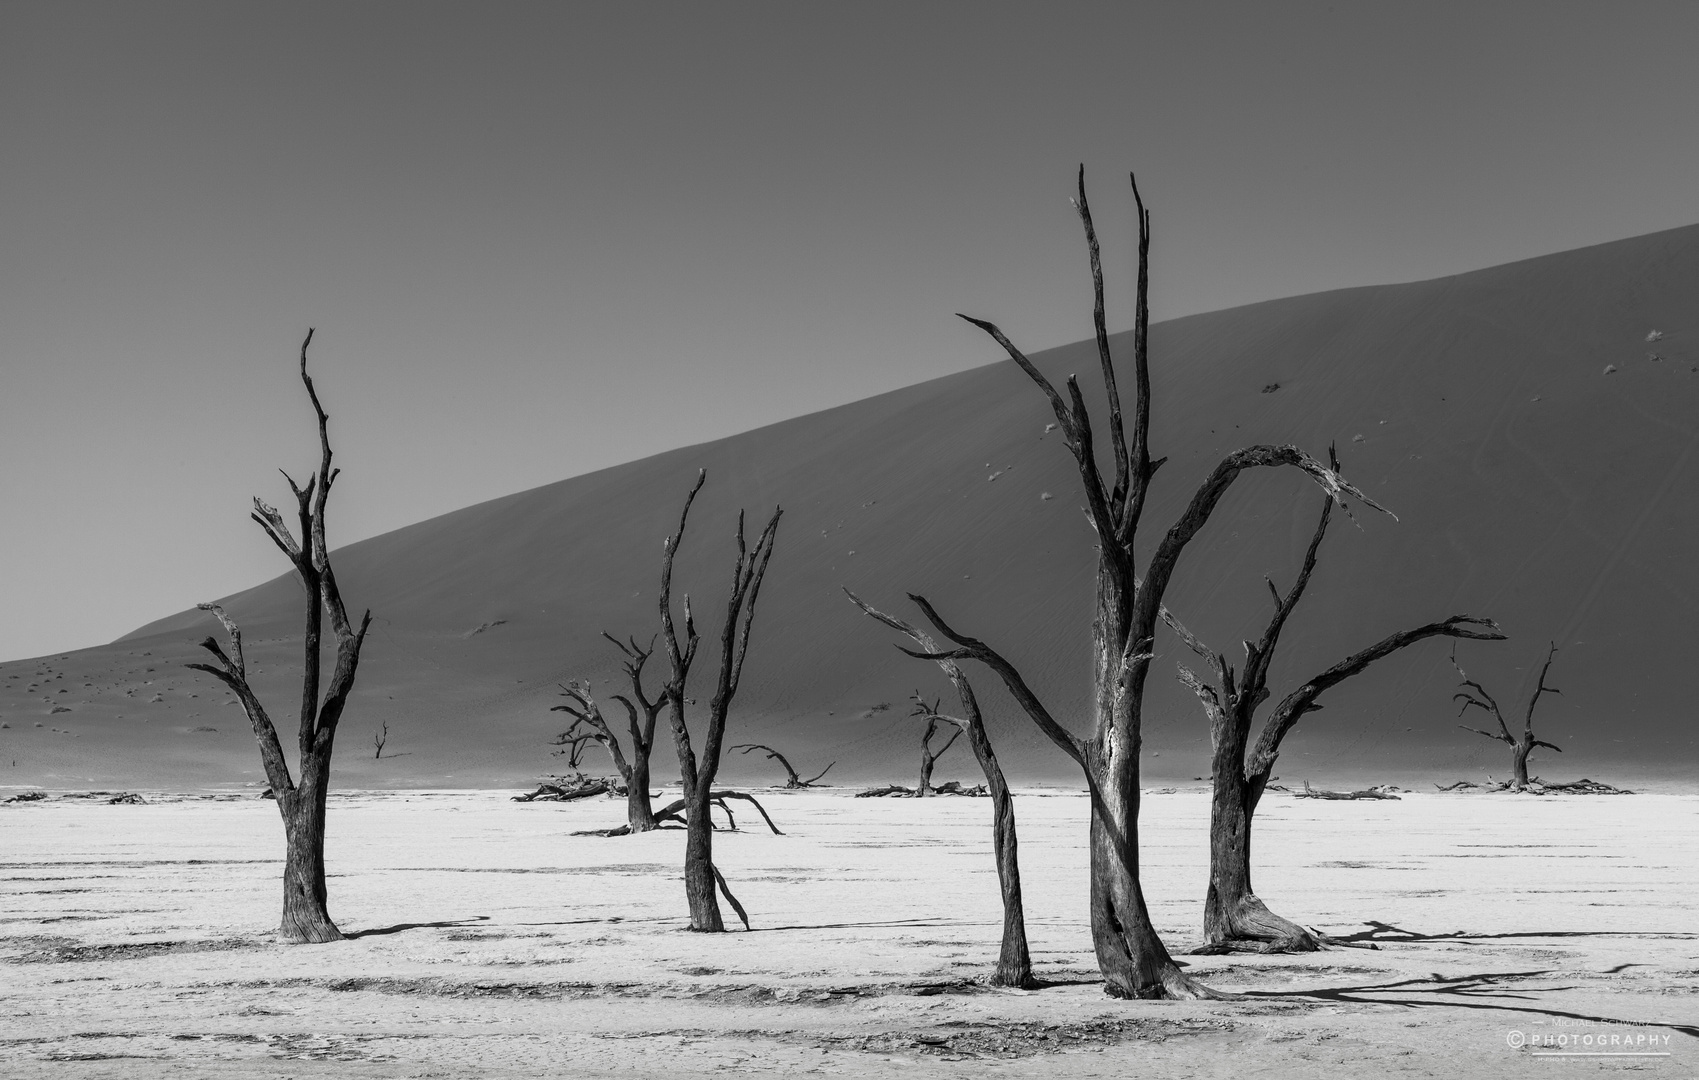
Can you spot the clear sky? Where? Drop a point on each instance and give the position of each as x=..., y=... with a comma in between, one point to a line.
x=541, y=239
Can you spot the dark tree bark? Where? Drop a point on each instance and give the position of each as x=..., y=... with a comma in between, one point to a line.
x=793, y=779
x=1014, y=961
x=1233, y=914
x=1131, y=956
x=641, y=712
x=697, y=774
x=675, y=810
x=1474, y=694
x=1343, y=796
x=928, y=756
x=306, y=918
x=572, y=742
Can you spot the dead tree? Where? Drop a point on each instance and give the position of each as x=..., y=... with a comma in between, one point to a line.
x=572, y=742
x=792, y=778
x=379, y=739
x=1474, y=694
x=302, y=804
x=928, y=711
x=641, y=713
x=1130, y=954
x=697, y=774
x=1014, y=962
x=1233, y=915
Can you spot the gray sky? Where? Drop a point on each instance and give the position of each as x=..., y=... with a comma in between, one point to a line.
x=538, y=240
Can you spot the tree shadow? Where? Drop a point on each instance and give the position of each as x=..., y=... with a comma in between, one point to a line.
x=1480, y=992
x=383, y=931
x=854, y=925
x=1039, y=982
x=1381, y=931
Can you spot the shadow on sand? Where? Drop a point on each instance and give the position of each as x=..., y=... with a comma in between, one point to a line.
x=381, y=931
x=1482, y=992
x=1380, y=931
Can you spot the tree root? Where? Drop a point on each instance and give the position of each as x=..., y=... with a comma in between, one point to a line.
x=1246, y=925
x=1173, y=985
x=1311, y=941
x=1178, y=986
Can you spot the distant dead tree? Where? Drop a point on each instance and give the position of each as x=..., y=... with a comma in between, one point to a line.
x=1014, y=962
x=1130, y=954
x=379, y=739
x=573, y=742
x=792, y=778
x=1474, y=694
x=697, y=773
x=1233, y=915
x=641, y=712
x=305, y=915
x=928, y=711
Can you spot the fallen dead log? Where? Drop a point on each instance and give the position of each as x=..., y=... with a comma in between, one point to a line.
x=897, y=791
x=954, y=787
x=1366, y=793
x=564, y=793
x=1581, y=787
x=1536, y=786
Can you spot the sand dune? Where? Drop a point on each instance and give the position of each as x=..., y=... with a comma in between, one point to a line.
x=1542, y=456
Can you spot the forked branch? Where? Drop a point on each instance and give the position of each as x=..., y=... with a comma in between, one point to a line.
x=1303, y=700
x=1542, y=688
x=232, y=672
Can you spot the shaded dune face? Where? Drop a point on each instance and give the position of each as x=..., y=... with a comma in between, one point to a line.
x=1531, y=486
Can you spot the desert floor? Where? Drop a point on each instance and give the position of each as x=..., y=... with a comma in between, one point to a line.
x=136, y=941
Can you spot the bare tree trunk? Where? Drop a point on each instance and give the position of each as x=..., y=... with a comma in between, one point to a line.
x=1232, y=911
x=1474, y=695
x=641, y=714
x=699, y=865
x=696, y=775
x=929, y=759
x=639, y=812
x=1014, y=960
x=1130, y=954
x=306, y=916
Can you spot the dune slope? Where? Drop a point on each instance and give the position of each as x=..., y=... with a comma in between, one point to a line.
x=1541, y=453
